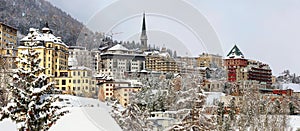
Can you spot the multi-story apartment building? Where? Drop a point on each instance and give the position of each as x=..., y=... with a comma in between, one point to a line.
x=235, y=64
x=260, y=72
x=8, y=52
x=161, y=62
x=96, y=60
x=8, y=43
x=209, y=60
x=118, y=89
x=122, y=92
x=77, y=80
x=186, y=64
x=117, y=60
x=53, y=51
x=241, y=69
x=106, y=89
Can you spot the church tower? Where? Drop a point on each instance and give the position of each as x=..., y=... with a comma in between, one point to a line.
x=144, y=35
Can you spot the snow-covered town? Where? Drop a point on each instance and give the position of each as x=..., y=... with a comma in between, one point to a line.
x=49, y=83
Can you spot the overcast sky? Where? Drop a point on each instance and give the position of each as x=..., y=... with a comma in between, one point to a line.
x=266, y=30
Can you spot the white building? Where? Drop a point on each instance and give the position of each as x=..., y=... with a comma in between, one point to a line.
x=80, y=56
x=118, y=59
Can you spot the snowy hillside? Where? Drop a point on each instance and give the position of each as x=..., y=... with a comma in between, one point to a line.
x=85, y=114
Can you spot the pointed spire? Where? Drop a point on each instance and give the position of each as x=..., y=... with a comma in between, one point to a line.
x=144, y=23
x=143, y=34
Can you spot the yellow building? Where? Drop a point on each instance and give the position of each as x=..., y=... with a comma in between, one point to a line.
x=209, y=60
x=53, y=52
x=8, y=43
x=76, y=80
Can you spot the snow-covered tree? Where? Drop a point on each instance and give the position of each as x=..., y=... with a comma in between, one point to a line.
x=250, y=110
x=30, y=102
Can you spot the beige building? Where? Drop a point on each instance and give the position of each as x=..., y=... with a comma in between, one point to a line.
x=8, y=52
x=8, y=43
x=122, y=93
x=161, y=62
x=118, y=89
x=209, y=60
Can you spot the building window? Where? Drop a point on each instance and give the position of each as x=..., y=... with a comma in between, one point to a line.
x=74, y=88
x=70, y=81
x=78, y=73
x=63, y=88
x=74, y=74
x=86, y=81
x=74, y=81
x=78, y=88
x=107, y=94
x=106, y=89
x=63, y=82
x=78, y=81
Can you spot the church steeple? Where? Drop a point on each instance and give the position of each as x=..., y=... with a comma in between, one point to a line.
x=144, y=35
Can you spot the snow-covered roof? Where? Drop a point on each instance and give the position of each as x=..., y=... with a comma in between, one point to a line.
x=213, y=96
x=39, y=36
x=294, y=87
x=79, y=68
x=118, y=47
x=235, y=53
x=165, y=54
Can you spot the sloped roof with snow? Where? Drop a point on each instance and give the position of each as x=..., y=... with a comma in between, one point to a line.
x=118, y=47
x=36, y=35
x=235, y=52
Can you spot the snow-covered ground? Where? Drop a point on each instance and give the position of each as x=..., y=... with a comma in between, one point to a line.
x=85, y=114
x=295, y=122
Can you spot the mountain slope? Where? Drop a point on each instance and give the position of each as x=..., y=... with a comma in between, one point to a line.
x=24, y=14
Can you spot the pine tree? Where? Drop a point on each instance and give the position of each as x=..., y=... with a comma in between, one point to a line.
x=30, y=103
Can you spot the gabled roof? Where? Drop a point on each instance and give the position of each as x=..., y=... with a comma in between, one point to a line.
x=235, y=52
x=118, y=47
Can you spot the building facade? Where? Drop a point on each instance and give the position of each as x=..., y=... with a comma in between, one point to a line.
x=117, y=60
x=209, y=60
x=53, y=52
x=235, y=64
x=161, y=62
x=83, y=57
x=8, y=52
x=77, y=80
x=241, y=69
x=8, y=43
